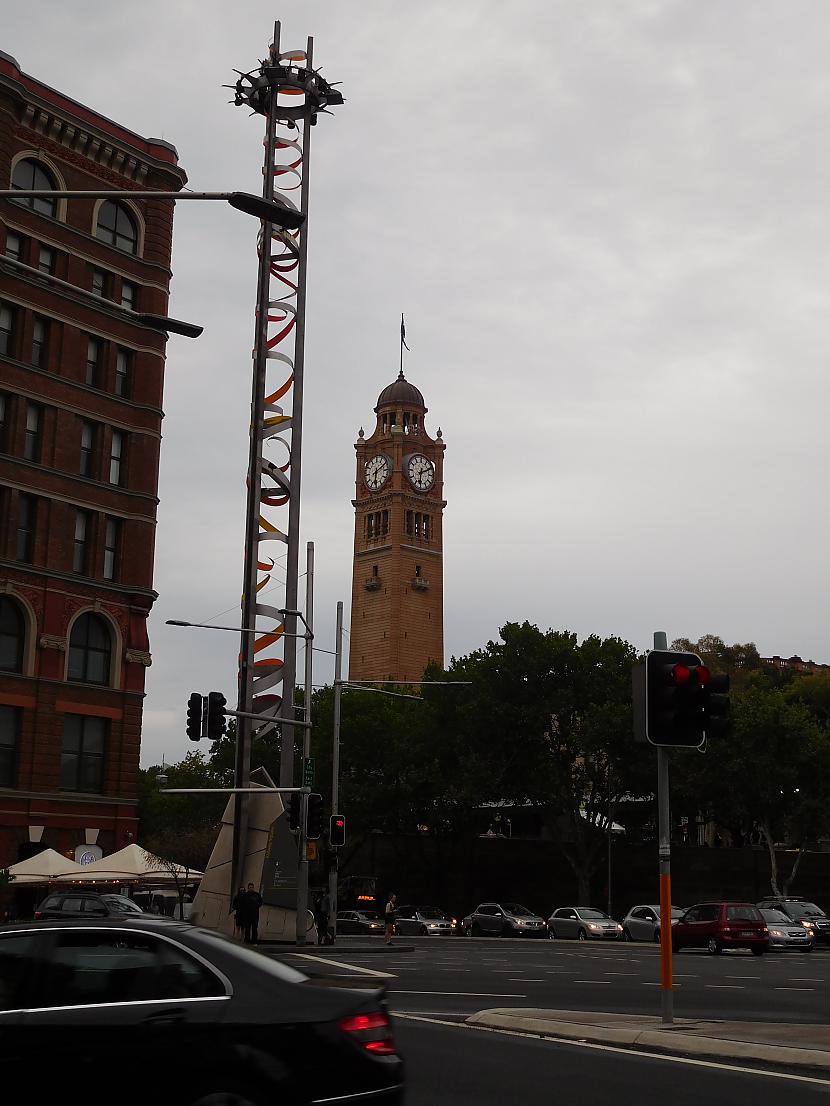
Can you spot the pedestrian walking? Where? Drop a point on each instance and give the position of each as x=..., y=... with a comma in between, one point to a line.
x=253, y=901
x=389, y=918
x=238, y=908
x=322, y=920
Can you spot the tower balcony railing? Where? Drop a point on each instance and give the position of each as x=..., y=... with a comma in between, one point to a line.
x=372, y=583
x=418, y=583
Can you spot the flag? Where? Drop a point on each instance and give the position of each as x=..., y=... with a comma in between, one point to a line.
x=403, y=334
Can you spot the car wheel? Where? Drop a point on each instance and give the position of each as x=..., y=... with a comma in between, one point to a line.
x=627, y=934
x=476, y=932
x=582, y=935
x=758, y=952
x=423, y=932
x=551, y=934
x=656, y=937
x=507, y=931
x=714, y=947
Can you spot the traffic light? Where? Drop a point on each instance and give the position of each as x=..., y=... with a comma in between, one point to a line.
x=194, y=717
x=295, y=804
x=216, y=715
x=314, y=817
x=684, y=701
x=337, y=830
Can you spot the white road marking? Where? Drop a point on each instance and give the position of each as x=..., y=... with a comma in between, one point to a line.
x=607, y=981
x=340, y=964
x=524, y=979
x=794, y=989
x=629, y=1052
x=723, y=987
x=742, y=977
x=468, y=994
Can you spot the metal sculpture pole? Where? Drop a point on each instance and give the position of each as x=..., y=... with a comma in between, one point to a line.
x=270, y=91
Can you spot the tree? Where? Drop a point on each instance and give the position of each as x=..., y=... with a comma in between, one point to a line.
x=159, y=814
x=181, y=853
x=771, y=770
x=547, y=720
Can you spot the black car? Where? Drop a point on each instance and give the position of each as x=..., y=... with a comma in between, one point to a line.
x=220, y=1020
x=84, y=904
x=366, y=922
x=802, y=912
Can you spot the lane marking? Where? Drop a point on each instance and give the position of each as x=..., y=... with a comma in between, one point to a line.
x=467, y=994
x=631, y=1053
x=811, y=989
x=523, y=979
x=605, y=981
x=340, y=964
x=742, y=977
x=723, y=987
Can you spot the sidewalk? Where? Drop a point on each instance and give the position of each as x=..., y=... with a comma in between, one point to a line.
x=782, y=1044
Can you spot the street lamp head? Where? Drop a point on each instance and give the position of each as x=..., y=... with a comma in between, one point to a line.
x=170, y=326
x=271, y=210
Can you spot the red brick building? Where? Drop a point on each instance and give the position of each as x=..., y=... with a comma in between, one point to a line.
x=80, y=429
x=397, y=624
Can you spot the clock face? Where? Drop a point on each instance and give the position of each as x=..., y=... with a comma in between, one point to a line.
x=421, y=472
x=376, y=472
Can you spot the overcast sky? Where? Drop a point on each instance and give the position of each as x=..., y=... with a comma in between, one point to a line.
x=606, y=222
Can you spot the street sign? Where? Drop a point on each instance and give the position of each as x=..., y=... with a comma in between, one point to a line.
x=308, y=772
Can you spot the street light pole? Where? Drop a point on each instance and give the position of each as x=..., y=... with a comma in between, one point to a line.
x=335, y=758
x=302, y=873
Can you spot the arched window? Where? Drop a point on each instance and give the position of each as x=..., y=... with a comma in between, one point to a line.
x=90, y=650
x=30, y=174
x=116, y=227
x=12, y=635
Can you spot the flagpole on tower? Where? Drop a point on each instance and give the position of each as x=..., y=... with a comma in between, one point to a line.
x=403, y=341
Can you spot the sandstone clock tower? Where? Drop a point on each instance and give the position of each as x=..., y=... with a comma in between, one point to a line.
x=397, y=624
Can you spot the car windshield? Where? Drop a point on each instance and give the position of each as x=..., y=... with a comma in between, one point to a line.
x=121, y=902
x=592, y=915
x=743, y=914
x=777, y=916
x=432, y=912
x=517, y=910
x=810, y=910
x=369, y=916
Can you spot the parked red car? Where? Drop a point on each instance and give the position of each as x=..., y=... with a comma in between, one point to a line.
x=721, y=925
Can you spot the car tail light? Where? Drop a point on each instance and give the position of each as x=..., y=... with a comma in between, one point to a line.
x=37, y=915
x=371, y=1031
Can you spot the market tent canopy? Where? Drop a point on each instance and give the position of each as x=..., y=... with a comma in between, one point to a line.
x=44, y=867
x=130, y=863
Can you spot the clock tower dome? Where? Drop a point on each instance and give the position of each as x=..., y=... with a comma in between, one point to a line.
x=397, y=624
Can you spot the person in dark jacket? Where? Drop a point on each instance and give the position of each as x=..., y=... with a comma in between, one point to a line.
x=238, y=908
x=253, y=901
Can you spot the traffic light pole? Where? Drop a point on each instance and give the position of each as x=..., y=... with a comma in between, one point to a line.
x=664, y=839
x=335, y=759
x=302, y=840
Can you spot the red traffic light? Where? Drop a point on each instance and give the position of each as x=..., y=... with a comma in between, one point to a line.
x=680, y=674
x=704, y=676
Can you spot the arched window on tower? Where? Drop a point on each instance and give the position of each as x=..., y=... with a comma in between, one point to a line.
x=90, y=650
x=30, y=174
x=12, y=635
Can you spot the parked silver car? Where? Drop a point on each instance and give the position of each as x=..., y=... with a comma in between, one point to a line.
x=509, y=919
x=584, y=923
x=784, y=933
x=642, y=923
x=424, y=921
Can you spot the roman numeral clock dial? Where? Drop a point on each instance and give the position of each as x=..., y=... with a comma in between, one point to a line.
x=376, y=472
x=420, y=472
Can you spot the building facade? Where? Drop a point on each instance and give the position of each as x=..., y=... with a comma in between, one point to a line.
x=80, y=429
x=397, y=622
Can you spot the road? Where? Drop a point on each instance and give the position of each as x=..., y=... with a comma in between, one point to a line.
x=451, y=1065
x=433, y=989
x=455, y=977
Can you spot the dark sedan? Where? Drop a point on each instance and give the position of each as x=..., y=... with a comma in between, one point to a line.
x=367, y=922
x=222, y=1021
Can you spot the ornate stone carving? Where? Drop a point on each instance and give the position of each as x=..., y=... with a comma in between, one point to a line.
x=52, y=641
x=138, y=656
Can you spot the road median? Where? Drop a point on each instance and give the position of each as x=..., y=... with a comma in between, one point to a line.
x=801, y=1045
